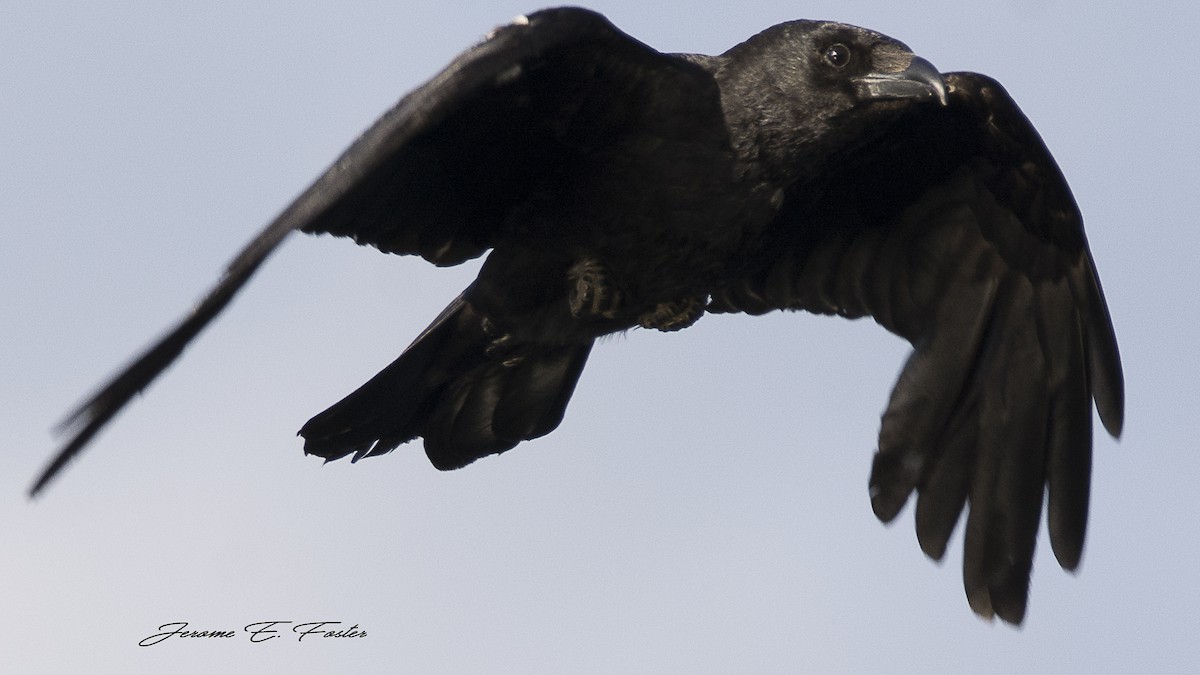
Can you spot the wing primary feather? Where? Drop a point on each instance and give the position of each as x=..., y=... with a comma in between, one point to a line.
x=927, y=391
x=1104, y=359
x=943, y=492
x=95, y=412
x=1069, y=444
x=1009, y=477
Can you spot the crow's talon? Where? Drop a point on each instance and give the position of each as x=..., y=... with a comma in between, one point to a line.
x=591, y=293
x=672, y=316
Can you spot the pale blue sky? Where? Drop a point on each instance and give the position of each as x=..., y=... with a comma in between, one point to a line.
x=703, y=508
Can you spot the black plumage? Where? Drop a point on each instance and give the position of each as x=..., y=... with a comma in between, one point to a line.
x=816, y=166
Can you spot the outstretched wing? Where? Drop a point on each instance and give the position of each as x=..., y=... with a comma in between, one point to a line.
x=441, y=173
x=956, y=230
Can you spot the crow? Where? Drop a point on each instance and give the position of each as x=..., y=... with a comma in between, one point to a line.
x=816, y=166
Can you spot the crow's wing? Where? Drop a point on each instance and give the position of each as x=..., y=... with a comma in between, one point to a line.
x=956, y=230
x=441, y=173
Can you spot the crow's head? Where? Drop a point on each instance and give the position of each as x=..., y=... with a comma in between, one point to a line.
x=806, y=83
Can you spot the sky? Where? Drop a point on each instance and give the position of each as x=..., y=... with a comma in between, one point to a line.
x=703, y=507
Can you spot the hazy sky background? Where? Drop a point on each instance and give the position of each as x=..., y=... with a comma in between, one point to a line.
x=703, y=507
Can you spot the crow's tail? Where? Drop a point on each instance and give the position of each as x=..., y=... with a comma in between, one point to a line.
x=466, y=391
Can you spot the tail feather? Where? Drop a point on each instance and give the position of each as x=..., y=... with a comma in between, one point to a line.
x=503, y=403
x=467, y=394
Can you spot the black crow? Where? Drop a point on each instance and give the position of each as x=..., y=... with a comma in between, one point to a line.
x=816, y=166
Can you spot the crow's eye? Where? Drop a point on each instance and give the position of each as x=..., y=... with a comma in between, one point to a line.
x=837, y=55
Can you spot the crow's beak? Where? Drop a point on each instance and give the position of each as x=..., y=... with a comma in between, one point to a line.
x=919, y=80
